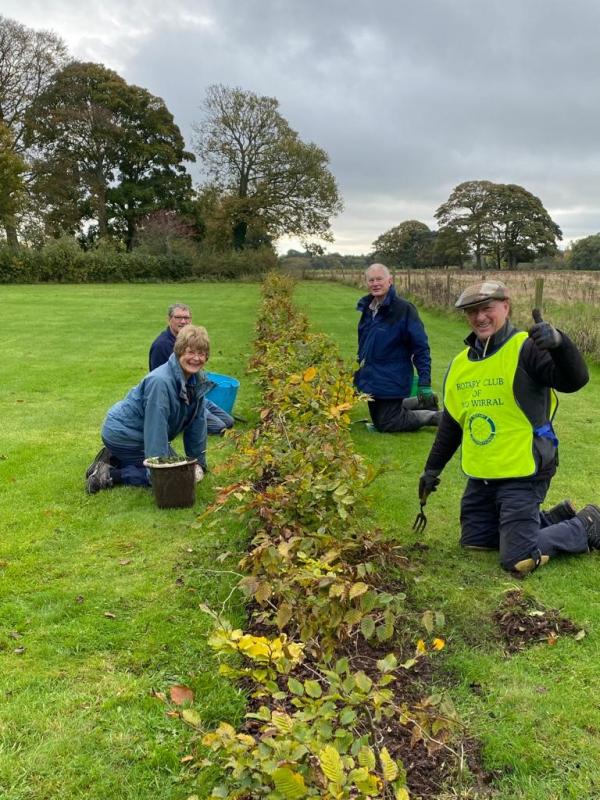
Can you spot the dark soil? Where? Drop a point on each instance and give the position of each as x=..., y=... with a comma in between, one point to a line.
x=430, y=768
x=523, y=621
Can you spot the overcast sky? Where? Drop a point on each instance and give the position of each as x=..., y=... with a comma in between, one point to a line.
x=408, y=97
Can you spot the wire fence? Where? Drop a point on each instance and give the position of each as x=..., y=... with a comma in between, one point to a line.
x=569, y=299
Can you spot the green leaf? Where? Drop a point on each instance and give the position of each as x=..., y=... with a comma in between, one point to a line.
x=290, y=784
x=347, y=716
x=388, y=663
x=283, y=722
x=313, y=688
x=342, y=665
x=366, y=758
x=332, y=765
x=191, y=717
x=295, y=687
x=367, y=627
x=427, y=621
x=363, y=681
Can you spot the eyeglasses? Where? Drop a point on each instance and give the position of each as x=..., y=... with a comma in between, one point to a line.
x=179, y=316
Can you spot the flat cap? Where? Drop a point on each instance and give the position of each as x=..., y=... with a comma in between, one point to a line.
x=481, y=292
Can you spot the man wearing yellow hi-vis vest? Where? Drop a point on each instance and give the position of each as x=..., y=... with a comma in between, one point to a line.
x=499, y=403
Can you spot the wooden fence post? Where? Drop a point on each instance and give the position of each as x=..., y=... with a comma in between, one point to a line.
x=539, y=293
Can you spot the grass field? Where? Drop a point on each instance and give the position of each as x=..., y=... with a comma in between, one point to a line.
x=77, y=716
x=538, y=713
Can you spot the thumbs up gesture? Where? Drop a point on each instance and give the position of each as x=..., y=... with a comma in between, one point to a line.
x=544, y=335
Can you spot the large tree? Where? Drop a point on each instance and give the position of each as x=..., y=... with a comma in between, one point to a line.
x=502, y=221
x=271, y=179
x=28, y=59
x=585, y=253
x=465, y=213
x=12, y=168
x=408, y=244
x=107, y=152
x=521, y=227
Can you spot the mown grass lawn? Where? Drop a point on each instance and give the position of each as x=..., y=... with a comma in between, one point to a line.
x=537, y=713
x=99, y=595
x=77, y=719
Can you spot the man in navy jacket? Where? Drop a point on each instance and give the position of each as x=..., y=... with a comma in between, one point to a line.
x=179, y=315
x=392, y=343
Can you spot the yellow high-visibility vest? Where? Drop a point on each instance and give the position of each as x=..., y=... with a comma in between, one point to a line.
x=497, y=439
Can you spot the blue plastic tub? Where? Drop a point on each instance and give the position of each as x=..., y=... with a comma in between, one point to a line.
x=225, y=392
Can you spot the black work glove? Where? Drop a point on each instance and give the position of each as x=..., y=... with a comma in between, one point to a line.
x=544, y=335
x=428, y=483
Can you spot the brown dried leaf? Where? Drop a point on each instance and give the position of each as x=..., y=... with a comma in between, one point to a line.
x=181, y=694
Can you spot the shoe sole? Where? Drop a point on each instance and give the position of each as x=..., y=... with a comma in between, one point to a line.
x=528, y=565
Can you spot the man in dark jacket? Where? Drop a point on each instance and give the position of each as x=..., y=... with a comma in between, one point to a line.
x=179, y=315
x=499, y=403
x=392, y=343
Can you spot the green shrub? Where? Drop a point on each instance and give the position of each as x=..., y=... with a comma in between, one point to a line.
x=63, y=261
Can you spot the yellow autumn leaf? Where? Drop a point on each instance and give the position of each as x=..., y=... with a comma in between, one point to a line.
x=309, y=375
x=438, y=644
x=295, y=378
x=421, y=648
x=389, y=766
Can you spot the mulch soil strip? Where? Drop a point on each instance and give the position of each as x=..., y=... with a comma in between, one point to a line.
x=429, y=770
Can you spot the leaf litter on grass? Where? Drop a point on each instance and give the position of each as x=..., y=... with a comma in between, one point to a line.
x=523, y=621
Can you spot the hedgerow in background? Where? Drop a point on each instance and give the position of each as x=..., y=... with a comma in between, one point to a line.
x=319, y=579
x=63, y=261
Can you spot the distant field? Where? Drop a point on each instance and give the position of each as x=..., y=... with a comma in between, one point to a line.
x=571, y=299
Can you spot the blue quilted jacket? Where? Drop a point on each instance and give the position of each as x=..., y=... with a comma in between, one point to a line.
x=159, y=408
x=391, y=345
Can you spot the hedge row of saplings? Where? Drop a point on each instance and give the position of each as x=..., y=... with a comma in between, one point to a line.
x=315, y=576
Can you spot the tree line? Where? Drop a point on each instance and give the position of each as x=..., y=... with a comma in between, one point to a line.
x=482, y=224
x=84, y=153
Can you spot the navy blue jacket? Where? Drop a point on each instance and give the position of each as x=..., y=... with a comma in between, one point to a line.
x=388, y=346
x=161, y=348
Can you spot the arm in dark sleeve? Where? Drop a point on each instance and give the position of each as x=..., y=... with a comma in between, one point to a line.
x=563, y=368
x=446, y=443
x=160, y=351
x=419, y=347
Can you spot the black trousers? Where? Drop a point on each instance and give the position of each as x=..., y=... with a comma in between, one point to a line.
x=505, y=515
x=389, y=416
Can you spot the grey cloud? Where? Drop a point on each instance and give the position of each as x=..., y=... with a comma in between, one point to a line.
x=409, y=99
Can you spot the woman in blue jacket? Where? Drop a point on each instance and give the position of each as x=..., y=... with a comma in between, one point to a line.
x=168, y=401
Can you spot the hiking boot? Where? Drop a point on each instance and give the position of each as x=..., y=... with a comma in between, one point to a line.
x=590, y=516
x=561, y=512
x=427, y=417
x=103, y=457
x=527, y=565
x=428, y=403
x=99, y=478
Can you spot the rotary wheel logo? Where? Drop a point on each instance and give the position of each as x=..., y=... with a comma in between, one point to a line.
x=482, y=429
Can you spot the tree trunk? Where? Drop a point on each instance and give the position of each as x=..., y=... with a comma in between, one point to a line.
x=130, y=236
x=239, y=235
x=12, y=240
